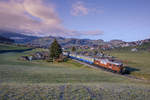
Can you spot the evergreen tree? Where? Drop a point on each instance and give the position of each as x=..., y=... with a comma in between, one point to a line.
x=55, y=50
x=95, y=52
x=73, y=49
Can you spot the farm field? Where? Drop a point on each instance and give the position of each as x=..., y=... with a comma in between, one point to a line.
x=40, y=80
x=138, y=61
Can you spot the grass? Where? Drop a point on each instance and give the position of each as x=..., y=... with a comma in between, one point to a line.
x=11, y=47
x=40, y=80
x=74, y=92
x=140, y=61
x=13, y=70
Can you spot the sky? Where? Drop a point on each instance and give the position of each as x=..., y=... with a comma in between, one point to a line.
x=128, y=20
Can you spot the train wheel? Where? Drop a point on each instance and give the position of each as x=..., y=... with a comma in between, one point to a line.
x=124, y=71
x=115, y=71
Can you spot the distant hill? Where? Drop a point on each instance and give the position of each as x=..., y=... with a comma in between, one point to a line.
x=136, y=45
x=5, y=40
x=17, y=37
x=46, y=41
x=116, y=42
x=144, y=46
x=67, y=42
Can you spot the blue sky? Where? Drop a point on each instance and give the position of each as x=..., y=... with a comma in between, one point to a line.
x=127, y=20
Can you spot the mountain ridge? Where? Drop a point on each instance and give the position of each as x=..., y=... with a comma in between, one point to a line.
x=66, y=42
x=17, y=37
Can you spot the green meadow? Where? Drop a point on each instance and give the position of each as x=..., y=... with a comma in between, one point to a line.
x=11, y=47
x=41, y=80
x=138, y=61
x=14, y=70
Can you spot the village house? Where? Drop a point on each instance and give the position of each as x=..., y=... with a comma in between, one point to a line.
x=134, y=50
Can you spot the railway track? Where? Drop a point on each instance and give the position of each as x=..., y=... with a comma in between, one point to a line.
x=109, y=71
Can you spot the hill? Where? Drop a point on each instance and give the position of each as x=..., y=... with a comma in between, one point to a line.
x=17, y=37
x=67, y=42
x=5, y=40
x=144, y=46
x=69, y=80
x=46, y=41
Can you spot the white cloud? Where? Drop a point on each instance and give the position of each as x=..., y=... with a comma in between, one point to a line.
x=17, y=15
x=34, y=17
x=79, y=9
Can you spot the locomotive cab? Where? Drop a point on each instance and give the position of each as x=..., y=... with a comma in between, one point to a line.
x=115, y=66
x=123, y=70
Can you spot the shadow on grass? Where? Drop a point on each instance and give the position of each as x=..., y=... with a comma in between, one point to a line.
x=18, y=51
x=130, y=69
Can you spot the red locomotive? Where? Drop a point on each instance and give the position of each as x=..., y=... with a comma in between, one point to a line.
x=107, y=63
x=113, y=65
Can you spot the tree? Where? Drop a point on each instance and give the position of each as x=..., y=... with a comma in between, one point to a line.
x=73, y=49
x=55, y=50
x=95, y=52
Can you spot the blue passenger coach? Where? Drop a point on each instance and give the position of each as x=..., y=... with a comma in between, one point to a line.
x=86, y=59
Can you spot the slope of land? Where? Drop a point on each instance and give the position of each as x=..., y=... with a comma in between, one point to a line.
x=17, y=37
x=100, y=91
x=6, y=47
x=5, y=40
x=13, y=70
x=41, y=80
x=139, y=61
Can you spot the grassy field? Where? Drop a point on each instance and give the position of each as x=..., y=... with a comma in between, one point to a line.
x=11, y=47
x=40, y=80
x=13, y=70
x=99, y=91
x=140, y=61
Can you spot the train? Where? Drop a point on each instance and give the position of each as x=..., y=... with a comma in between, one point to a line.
x=106, y=63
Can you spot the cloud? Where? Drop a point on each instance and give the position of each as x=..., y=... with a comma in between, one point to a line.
x=87, y=33
x=34, y=17
x=29, y=16
x=96, y=32
x=79, y=9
